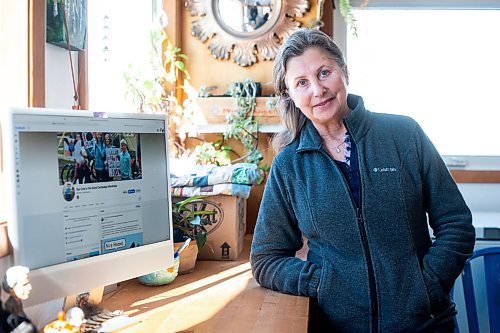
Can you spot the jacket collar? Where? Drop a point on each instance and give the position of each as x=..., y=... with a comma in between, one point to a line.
x=358, y=123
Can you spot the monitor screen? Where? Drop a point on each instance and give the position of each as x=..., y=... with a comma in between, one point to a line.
x=90, y=200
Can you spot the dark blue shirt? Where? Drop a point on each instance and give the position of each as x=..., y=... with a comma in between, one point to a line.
x=349, y=169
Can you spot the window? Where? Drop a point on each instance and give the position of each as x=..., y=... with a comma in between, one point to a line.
x=438, y=65
x=118, y=35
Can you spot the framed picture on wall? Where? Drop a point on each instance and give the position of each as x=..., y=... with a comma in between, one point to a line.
x=67, y=23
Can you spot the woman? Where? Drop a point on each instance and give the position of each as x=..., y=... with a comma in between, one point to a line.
x=125, y=161
x=70, y=143
x=107, y=147
x=359, y=186
x=99, y=155
x=82, y=171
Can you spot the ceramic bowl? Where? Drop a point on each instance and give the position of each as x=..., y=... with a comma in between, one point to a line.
x=161, y=277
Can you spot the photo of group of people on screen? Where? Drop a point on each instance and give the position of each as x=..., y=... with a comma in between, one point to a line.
x=91, y=157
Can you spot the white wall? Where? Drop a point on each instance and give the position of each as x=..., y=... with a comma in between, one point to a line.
x=484, y=202
x=482, y=197
x=14, y=52
x=58, y=82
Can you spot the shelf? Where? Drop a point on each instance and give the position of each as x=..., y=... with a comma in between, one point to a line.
x=211, y=114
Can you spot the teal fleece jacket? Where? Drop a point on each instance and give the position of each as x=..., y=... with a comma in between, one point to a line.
x=372, y=269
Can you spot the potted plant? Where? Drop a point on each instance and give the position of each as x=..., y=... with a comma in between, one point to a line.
x=189, y=223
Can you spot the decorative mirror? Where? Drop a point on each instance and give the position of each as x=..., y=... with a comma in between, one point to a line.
x=245, y=27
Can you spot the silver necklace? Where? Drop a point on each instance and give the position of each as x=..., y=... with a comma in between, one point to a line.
x=337, y=149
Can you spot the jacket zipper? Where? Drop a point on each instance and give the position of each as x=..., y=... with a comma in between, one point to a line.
x=371, y=273
x=366, y=248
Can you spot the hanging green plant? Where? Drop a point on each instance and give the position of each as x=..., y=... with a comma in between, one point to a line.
x=242, y=123
x=350, y=20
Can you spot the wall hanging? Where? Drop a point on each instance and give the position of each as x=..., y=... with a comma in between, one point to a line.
x=67, y=23
x=246, y=28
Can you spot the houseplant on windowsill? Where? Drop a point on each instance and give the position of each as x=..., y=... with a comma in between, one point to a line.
x=155, y=86
x=189, y=223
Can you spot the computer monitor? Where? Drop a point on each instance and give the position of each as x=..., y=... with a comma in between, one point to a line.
x=89, y=202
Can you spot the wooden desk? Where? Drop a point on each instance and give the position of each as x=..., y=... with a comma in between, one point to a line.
x=219, y=296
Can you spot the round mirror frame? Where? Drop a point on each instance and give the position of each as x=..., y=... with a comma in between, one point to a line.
x=245, y=45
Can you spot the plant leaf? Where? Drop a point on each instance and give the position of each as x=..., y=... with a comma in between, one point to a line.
x=203, y=212
x=201, y=239
x=148, y=84
x=188, y=200
x=196, y=221
x=179, y=64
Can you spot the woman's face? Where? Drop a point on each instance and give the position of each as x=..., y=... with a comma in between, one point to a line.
x=317, y=86
x=107, y=140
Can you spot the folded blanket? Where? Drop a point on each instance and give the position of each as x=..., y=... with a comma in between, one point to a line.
x=239, y=173
x=226, y=189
